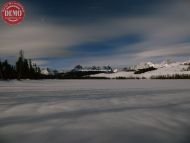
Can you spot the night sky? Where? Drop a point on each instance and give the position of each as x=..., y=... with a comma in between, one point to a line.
x=62, y=34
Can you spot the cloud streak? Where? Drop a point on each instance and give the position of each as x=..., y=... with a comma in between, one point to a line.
x=175, y=50
x=164, y=32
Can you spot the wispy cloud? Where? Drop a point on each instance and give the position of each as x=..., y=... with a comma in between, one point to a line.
x=175, y=50
x=164, y=32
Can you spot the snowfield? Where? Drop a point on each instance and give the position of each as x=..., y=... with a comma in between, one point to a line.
x=163, y=69
x=95, y=111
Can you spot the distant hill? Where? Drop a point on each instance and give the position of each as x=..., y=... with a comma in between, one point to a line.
x=164, y=70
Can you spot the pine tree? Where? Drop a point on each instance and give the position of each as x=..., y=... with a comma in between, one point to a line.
x=1, y=72
x=19, y=65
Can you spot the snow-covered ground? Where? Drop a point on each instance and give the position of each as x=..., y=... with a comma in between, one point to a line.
x=163, y=69
x=95, y=111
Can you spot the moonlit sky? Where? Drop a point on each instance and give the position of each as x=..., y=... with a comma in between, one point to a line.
x=62, y=34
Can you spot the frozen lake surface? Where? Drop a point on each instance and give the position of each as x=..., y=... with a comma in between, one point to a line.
x=95, y=111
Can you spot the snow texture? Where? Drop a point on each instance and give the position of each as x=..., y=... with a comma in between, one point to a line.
x=95, y=111
x=163, y=69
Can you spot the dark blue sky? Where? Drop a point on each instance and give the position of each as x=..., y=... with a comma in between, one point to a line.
x=76, y=9
x=61, y=34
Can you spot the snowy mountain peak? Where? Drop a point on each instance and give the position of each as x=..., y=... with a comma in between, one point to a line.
x=144, y=65
x=164, y=69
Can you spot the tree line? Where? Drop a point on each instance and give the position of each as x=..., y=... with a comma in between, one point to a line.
x=23, y=69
